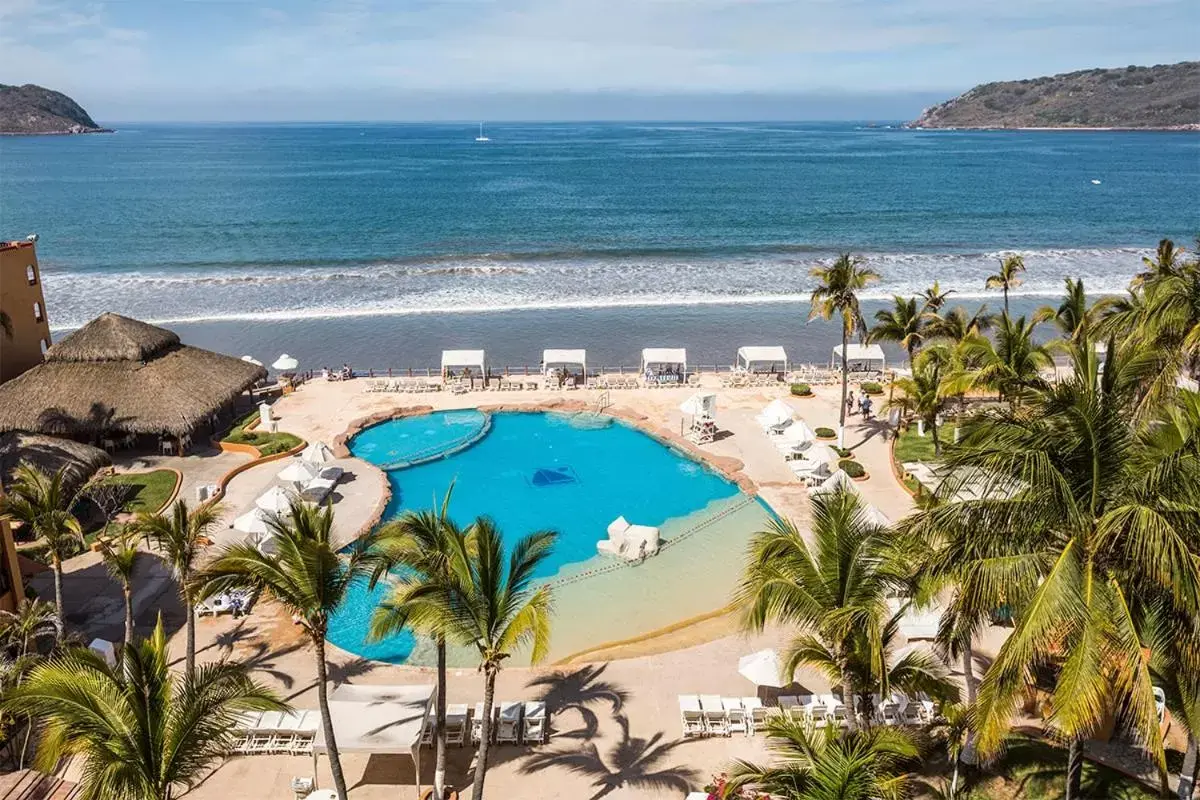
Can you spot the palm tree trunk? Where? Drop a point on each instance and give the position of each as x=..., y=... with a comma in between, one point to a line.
x=489, y=693
x=128, y=592
x=189, y=624
x=60, y=620
x=1074, y=771
x=845, y=388
x=954, y=781
x=848, y=699
x=937, y=445
x=1006, y=299
x=1187, y=773
x=439, y=766
x=968, y=756
x=335, y=761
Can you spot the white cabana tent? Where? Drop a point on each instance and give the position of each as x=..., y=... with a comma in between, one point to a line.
x=860, y=357
x=378, y=719
x=664, y=357
x=762, y=358
x=555, y=359
x=463, y=360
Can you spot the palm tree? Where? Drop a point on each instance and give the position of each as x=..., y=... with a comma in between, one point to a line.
x=495, y=606
x=1073, y=316
x=307, y=576
x=1173, y=642
x=1008, y=278
x=422, y=545
x=904, y=324
x=837, y=293
x=953, y=726
x=835, y=590
x=1084, y=509
x=1012, y=364
x=142, y=732
x=121, y=559
x=37, y=500
x=935, y=298
x=179, y=539
x=33, y=620
x=1167, y=262
x=956, y=326
x=928, y=390
x=821, y=763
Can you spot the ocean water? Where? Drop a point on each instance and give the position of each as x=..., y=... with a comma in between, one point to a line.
x=234, y=234
x=530, y=472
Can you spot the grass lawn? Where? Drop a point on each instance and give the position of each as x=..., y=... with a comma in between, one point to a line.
x=910, y=447
x=150, y=489
x=1035, y=770
x=267, y=443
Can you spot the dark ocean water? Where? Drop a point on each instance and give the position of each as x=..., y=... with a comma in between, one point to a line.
x=388, y=242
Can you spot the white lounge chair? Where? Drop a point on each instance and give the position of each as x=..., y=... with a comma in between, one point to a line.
x=477, y=723
x=691, y=716
x=456, y=723
x=756, y=714
x=716, y=718
x=508, y=731
x=736, y=715
x=630, y=542
x=533, y=729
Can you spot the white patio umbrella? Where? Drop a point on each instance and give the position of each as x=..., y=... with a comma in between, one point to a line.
x=252, y=360
x=299, y=472
x=275, y=500
x=253, y=521
x=317, y=453
x=285, y=362
x=762, y=668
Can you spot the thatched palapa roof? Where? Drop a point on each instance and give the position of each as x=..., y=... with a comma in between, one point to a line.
x=117, y=374
x=77, y=462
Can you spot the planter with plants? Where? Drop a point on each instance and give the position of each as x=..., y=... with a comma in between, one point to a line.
x=853, y=469
x=843, y=452
x=827, y=434
x=871, y=387
x=801, y=390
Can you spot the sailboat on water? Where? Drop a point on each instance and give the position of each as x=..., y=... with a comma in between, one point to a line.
x=481, y=137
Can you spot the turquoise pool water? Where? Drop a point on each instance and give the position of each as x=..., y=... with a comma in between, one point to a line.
x=530, y=471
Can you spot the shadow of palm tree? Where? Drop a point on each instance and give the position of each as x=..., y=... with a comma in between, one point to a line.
x=263, y=659
x=576, y=691
x=633, y=763
x=339, y=674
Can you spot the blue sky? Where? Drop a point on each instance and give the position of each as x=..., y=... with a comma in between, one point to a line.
x=148, y=60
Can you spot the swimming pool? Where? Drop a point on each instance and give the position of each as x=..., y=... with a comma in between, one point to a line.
x=534, y=471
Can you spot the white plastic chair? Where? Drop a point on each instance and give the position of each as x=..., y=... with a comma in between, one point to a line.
x=716, y=719
x=735, y=714
x=756, y=714
x=508, y=731
x=533, y=731
x=691, y=716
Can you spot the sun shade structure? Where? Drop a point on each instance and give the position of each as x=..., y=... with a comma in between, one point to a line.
x=552, y=359
x=762, y=668
x=772, y=357
x=74, y=461
x=462, y=359
x=664, y=356
x=117, y=374
x=317, y=453
x=860, y=356
x=378, y=720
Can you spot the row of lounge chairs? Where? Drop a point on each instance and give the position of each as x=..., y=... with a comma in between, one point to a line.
x=522, y=384
x=273, y=732
x=414, y=385
x=748, y=380
x=713, y=715
x=512, y=723
x=616, y=382
x=795, y=441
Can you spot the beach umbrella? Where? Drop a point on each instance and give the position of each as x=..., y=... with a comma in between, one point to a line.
x=299, y=472
x=276, y=500
x=252, y=360
x=253, y=521
x=317, y=453
x=762, y=668
x=777, y=411
x=701, y=404
x=285, y=362
x=104, y=648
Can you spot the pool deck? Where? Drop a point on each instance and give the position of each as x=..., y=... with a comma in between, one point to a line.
x=619, y=709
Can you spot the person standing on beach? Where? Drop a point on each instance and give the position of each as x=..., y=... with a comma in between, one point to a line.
x=850, y=404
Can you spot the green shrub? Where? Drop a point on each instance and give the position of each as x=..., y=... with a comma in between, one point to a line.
x=871, y=387
x=852, y=468
x=801, y=389
x=825, y=433
x=267, y=443
x=844, y=452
